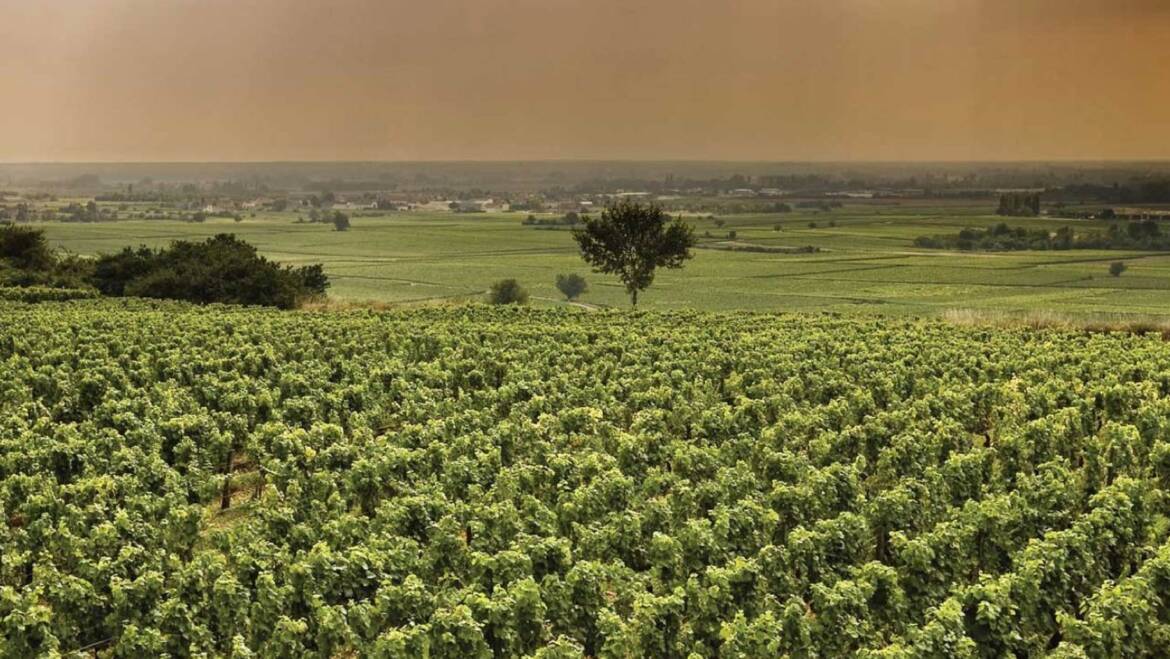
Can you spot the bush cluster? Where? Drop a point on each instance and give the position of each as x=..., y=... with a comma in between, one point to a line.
x=1142, y=235
x=220, y=269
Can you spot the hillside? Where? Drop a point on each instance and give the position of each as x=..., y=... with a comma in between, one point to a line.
x=471, y=481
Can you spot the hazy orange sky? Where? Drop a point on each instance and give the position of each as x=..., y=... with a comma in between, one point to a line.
x=197, y=80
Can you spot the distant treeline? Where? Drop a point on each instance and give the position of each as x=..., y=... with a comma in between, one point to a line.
x=1019, y=204
x=1144, y=192
x=570, y=219
x=747, y=205
x=1143, y=235
x=1027, y=204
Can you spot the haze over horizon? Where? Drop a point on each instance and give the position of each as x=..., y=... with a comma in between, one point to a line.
x=749, y=80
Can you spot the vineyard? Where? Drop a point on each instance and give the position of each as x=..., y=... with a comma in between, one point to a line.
x=471, y=482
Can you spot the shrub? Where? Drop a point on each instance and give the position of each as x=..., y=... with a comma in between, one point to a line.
x=572, y=286
x=1116, y=268
x=27, y=260
x=507, y=291
x=25, y=248
x=219, y=269
x=340, y=221
x=112, y=272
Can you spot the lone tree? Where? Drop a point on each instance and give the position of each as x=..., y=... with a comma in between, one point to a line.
x=572, y=286
x=507, y=291
x=630, y=240
x=1116, y=268
x=340, y=221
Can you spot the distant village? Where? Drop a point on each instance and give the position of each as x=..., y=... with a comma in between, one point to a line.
x=87, y=198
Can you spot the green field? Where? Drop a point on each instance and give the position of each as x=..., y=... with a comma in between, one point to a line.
x=867, y=263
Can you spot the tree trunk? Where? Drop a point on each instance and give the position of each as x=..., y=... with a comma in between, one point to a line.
x=634, y=297
x=225, y=497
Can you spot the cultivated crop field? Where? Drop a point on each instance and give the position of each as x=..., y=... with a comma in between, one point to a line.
x=867, y=264
x=523, y=482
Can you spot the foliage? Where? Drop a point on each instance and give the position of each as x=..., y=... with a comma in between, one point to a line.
x=631, y=240
x=45, y=294
x=511, y=482
x=507, y=291
x=25, y=248
x=571, y=286
x=570, y=219
x=1140, y=235
x=1116, y=268
x=27, y=261
x=1021, y=204
x=340, y=221
x=219, y=269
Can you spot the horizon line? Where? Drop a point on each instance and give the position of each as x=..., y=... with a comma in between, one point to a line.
x=943, y=161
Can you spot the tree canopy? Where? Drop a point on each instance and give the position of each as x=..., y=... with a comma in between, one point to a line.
x=631, y=240
x=571, y=286
x=220, y=269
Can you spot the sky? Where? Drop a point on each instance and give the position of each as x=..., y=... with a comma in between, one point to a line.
x=838, y=80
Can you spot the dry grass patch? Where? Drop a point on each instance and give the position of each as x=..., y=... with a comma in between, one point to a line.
x=1104, y=323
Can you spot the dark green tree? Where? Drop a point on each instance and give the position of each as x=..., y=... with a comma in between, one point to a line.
x=25, y=248
x=631, y=240
x=507, y=291
x=572, y=286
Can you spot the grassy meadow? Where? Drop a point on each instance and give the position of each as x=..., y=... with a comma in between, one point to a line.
x=867, y=261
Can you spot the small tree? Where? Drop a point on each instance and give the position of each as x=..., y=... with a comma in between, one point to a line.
x=507, y=291
x=720, y=222
x=340, y=221
x=572, y=286
x=1116, y=268
x=631, y=240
